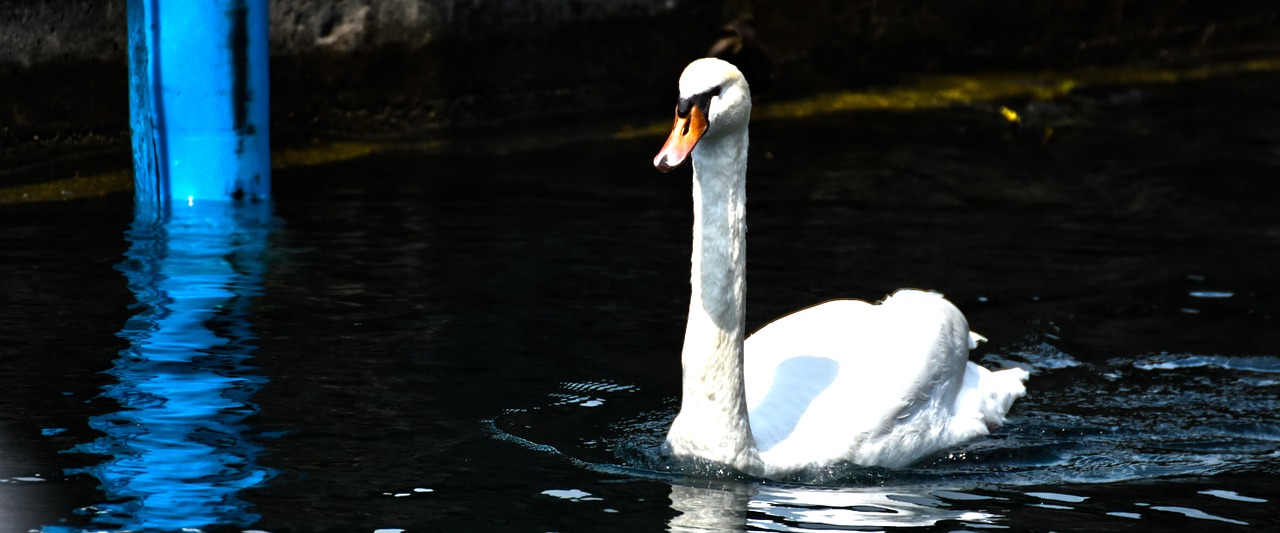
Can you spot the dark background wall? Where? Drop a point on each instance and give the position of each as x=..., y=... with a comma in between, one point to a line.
x=394, y=67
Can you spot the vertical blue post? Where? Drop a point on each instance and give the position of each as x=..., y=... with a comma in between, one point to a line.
x=199, y=102
x=178, y=452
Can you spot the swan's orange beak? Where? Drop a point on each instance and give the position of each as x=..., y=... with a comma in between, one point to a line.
x=684, y=136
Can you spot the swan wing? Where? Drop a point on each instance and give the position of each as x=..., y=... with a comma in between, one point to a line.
x=874, y=384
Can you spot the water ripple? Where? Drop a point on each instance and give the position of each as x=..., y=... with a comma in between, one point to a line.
x=177, y=454
x=1254, y=363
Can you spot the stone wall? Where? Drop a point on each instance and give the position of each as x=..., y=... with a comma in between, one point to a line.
x=403, y=66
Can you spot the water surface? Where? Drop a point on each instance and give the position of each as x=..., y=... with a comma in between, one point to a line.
x=471, y=339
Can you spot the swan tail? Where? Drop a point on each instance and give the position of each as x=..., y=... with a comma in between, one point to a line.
x=985, y=398
x=975, y=339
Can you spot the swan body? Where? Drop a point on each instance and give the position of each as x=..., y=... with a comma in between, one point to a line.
x=882, y=384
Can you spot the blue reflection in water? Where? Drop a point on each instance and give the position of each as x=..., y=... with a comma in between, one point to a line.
x=178, y=453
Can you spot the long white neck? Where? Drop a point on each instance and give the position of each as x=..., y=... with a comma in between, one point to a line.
x=713, y=423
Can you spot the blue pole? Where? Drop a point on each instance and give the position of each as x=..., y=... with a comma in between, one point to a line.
x=198, y=102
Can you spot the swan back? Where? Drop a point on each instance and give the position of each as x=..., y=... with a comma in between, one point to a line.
x=874, y=384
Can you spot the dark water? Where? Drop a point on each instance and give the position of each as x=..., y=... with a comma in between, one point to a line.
x=489, y=341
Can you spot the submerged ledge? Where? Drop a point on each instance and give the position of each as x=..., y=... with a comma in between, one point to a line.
x=922, y=93
x=940, y=91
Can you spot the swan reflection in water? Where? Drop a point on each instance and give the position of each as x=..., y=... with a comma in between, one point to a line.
x=177, y=453
x=739, y=506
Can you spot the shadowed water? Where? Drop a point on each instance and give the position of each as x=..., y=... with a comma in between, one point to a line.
x=467, y=341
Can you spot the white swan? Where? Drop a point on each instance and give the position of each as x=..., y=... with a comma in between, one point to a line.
x=872, y=384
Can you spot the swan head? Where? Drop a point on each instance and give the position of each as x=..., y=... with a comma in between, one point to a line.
x=714, y=101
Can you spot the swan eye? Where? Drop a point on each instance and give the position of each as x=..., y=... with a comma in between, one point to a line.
x=701, y=100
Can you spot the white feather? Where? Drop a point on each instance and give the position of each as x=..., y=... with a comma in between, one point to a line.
x=881, y=384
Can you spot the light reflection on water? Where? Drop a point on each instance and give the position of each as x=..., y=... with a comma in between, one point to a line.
x=1159, y=434
x=177, y=453
x=797, y=506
